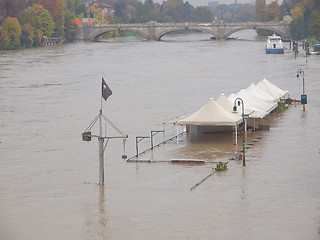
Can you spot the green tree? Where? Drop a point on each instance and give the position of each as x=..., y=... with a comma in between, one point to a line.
x=260, y=9
x=40, y=19
x=10, y=33
x=244, y=13
x=274, y=11
x=70, y=26
x=167, y=19
x=27, y=34
x=202, y=14
x=298, y=28
x=314, y=25
x=46, y=23
x=59, y=30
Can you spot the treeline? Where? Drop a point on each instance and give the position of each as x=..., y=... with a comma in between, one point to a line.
x=25, y=23
x=134, y=11
x=305, y=16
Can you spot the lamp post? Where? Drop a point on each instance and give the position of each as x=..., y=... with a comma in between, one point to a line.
x=303, y=96
x=243, y=123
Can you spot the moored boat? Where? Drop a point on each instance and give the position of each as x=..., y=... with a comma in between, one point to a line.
x=274, y=44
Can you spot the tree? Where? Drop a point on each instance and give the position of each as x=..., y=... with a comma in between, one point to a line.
x=174, y=9
x=298, y=29
x=314, y=25
x=297, y=12
x=259, y=12
x=244, y=13
x=70, y=26
x=27, y=34
x=40, y=19
x=11, y=8
x=274, y=12
x=52, y=7
x=97, y=13
x=10, y=33
x=202, y=14
x=46, y=23
x=187, y=11
x=59, y=30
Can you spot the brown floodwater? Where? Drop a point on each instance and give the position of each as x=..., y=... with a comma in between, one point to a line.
x=49, y=177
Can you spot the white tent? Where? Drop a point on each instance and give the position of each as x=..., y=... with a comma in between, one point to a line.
x=266, y=106
x=259, y=93
x=271, y=89
x=227, y=104
x=258, y=113
x=212, y=114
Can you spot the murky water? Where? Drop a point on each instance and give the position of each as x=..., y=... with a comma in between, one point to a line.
x=48, y=180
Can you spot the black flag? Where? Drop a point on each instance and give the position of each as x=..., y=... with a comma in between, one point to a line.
x=106, y=91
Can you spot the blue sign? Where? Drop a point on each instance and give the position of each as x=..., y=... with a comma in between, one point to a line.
x=303, y=99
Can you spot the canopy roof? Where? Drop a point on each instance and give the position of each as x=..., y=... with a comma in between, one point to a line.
x=258, y=113
x=259, y=93
x=266, y=106
x=227, y=104
x=212, y=114
x=271, y=89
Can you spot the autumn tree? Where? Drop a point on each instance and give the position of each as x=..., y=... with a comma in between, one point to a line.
x=27, y=35
x=12, y=8
x=274, y=11
x=52, y=7
x=70, y=27
x=75, y=6
x=10, y=34
x=259, y=12
x=97, y=13
x=59, y=30
x=40, y=19
x=314, y=25
x=244, y=13
x=173, y=9
x=202, y=14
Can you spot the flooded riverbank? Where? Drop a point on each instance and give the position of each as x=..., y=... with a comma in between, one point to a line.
x=48, y=180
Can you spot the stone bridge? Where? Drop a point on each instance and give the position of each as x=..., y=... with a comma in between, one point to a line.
x=154, y=31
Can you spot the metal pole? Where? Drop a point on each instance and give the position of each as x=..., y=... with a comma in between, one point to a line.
x=236, y=134
x=299, y=72
x=243, y=139
x=244, y=132
x=137, y=150
x=101, y=152
x=304, y=108
x=151, y=141
x=101, y=161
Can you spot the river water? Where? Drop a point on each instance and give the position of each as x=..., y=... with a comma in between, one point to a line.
x=48, y=180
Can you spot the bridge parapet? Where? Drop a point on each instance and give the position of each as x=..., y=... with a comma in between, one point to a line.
x=154, y=31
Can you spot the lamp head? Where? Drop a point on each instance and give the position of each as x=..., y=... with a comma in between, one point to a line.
x=234, y=108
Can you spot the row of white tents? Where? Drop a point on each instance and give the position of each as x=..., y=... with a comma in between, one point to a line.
x=259, y=100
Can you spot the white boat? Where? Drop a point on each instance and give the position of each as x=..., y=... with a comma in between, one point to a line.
x=274, y=44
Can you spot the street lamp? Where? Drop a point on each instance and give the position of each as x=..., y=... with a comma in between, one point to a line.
x=243, y=123
x=303, y=96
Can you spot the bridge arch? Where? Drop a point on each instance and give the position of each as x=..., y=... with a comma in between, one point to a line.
x=164, y=32
x=277, y=31
x=96, y=36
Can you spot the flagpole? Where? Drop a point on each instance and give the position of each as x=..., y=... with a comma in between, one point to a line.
x=101, y=152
